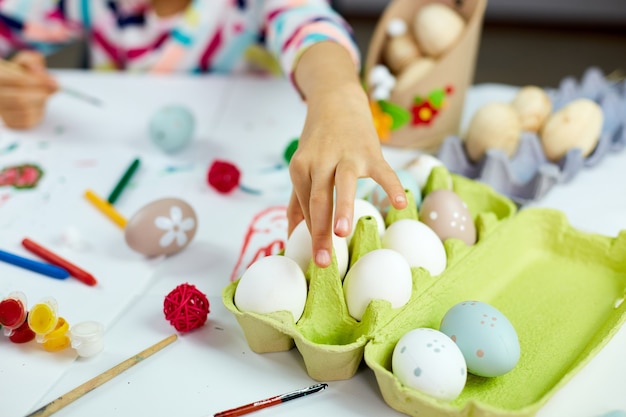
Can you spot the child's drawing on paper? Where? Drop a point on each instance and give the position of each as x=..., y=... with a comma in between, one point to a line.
x=266, y=235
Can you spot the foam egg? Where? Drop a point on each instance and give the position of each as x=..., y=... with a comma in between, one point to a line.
x=577, y=125
x=171, y=128
x=378, y=197
x=437, y=27
x=485, y=336
x=363, y=208
x=534, y=106
x=299, y=248
x=413, y=73
x=494, y=126
x=272, y=283
x=381, y=274
x=421, y=168
x=162, y=227
x=418, y=243
x=429, y=361
x=448, y=216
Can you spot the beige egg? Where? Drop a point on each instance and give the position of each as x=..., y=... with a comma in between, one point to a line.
x=163, y=227
x=493, y=126
x=577, y=125
x=447, y=214
x=437, y=28
x=399, y=52
x=413, y=73
x=534, y=106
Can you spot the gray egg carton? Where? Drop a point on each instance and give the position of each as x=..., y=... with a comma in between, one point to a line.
x=528, y=175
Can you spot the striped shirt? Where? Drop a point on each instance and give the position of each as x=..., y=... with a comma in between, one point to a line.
x=227, y=36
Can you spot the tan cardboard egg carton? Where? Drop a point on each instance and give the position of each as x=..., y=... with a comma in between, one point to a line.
x=561, y=289
x=436, y=99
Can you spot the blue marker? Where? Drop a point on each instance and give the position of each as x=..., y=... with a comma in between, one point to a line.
x=45, y=269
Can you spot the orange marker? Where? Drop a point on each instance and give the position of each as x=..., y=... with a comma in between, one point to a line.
x=55, y=259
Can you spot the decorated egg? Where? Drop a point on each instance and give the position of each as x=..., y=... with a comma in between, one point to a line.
x=448, y=215
x=485, y=336
x=363, y=208
x=381, y=274
x=171, y=128
x=299, y=248
x=272, y=283
x=418, y=243
x=429, y=361
x=163, y=227
x=378, y=197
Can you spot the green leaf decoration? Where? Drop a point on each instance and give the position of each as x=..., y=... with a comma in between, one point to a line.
x=399, y=115
x=437, y=97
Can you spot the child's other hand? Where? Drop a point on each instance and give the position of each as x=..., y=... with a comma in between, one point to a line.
x=338, y=145
x=25, y=87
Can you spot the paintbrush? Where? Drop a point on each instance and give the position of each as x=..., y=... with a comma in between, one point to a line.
x=17, y=69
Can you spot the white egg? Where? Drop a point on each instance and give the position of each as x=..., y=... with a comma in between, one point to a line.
x=429, y=361
x=363, y=208
x=381, y=274
x=273, y=283
x=421, y=168
x=299, y=248
x=418, y=243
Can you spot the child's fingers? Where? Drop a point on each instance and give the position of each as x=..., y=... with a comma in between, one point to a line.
x=387, y=178
x=31, y=61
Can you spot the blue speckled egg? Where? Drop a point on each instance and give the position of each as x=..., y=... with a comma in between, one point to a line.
x=485, y=336
x=171, y=128
x=378, y=196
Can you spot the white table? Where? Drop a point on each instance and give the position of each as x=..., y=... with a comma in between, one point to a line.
x=249, y=122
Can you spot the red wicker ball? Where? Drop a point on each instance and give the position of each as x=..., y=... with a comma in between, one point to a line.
x=186, y=308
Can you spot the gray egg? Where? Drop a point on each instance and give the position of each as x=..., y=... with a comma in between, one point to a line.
x=163, y=227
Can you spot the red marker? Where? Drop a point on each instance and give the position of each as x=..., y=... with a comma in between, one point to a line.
x=55, y=259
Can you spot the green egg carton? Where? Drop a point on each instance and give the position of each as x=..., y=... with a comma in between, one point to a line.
x=560, y=288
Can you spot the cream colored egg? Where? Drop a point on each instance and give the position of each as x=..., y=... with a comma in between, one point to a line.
x=413, y=73
x=493, y=126
x=533, y=106
x=437, y=28
x=163, y=227
x=577, y=125
x=399, y=52
x=272, y=283
x=299, y=248
x=381, y=274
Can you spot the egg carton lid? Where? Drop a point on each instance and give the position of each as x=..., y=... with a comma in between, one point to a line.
x=528, y=175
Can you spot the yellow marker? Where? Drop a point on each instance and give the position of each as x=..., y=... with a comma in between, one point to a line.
x=57, y=339
x=42, y=318
x=106, y=208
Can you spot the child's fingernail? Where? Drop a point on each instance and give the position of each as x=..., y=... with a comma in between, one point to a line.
x=322, y=258
x=342, y=225
x=400, y=198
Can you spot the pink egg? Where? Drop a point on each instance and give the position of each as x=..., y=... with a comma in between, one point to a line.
x=448, y=215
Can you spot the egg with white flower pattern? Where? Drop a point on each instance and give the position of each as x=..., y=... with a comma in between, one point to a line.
x=163, y=227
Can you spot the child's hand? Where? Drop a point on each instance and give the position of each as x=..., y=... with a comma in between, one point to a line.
x=338, y=145
x=25, y=87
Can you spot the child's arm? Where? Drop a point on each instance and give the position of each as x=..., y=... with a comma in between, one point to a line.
x=338, y=145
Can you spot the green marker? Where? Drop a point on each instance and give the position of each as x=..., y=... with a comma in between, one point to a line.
x=123, y=182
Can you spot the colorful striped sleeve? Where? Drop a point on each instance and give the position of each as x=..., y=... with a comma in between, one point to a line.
x=28, y=24
x=294, y=25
